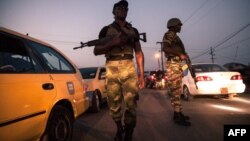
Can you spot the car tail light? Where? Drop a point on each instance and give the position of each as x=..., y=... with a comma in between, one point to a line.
x=236, y=77
x=203, y=78
x=152, y=77
x=165, y=77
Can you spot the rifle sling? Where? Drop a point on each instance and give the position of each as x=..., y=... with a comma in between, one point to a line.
x=118, y=28
x=174, y=58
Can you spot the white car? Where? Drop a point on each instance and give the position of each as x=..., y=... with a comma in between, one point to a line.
x=211, y=79
x=94, y=81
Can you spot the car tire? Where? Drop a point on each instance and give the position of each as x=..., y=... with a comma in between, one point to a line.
x=59, y=126
x=95, y=102
x=186, y=94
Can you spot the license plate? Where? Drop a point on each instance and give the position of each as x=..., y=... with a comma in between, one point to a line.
x=223, y=90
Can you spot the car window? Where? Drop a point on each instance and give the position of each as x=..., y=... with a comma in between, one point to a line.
x=235, y=66
x=14, y=57
x=102, y=74
x=208, y=68
x=54, y=61
x=88, y=73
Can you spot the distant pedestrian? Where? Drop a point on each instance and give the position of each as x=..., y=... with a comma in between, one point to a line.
x=122, y=81
x=175, y=54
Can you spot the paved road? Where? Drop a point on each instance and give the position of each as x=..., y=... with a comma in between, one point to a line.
x=208, y=116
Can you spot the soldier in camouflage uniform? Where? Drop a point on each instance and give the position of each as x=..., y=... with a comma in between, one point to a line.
x=175, y=54
x=122, y=81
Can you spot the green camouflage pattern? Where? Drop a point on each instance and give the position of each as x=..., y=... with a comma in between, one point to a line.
x=122, y=85
x=175, y=74
x=174, y=69
x=174, y=41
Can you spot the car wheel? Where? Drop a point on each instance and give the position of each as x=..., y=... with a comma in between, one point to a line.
x=186, y=94
x=60, y=125
x=95, y=102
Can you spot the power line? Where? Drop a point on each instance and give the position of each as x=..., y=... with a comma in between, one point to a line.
x=230, y=58
x=231, y=36
x=206, y=14
x=195, y=11
x=223, y=41
x=243, y=40
x=236, y=53
x=205, y=52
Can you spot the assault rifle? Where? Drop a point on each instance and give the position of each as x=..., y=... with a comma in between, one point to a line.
x=189, y=66
x=107, y=39
x=188, y=61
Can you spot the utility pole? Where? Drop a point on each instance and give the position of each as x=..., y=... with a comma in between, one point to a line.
x=212, y=54
x=161, y=54
x=158, y=63
x=157, y=56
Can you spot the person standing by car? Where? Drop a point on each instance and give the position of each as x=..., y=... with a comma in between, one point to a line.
x=122, y=81
x=175, y=54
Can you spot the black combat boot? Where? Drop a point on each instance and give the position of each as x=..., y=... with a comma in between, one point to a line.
x=177, y=114
x=119, y=132
x=180, y=119
x=128, y=132
x=184, y=116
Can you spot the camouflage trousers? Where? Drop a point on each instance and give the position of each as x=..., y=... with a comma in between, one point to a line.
x=122, y=85
x=175, y=74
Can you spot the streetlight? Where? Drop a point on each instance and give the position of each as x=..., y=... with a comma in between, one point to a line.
x=161, y=54
x=157, y=56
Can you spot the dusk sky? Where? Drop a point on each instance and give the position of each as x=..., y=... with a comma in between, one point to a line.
x=223, y=25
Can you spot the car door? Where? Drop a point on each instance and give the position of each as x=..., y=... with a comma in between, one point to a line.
x=26, y=91
x=188, y=81
x=68, y=80
x=101, y=78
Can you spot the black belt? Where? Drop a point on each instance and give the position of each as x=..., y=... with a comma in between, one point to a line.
x=174, y=58
x=119, y=57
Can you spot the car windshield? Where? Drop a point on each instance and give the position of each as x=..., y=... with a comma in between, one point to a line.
x=208, y=68
x=88, y=73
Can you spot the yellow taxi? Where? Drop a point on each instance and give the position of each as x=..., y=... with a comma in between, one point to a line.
x=41, y=90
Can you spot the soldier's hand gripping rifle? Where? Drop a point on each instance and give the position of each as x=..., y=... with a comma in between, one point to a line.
x=142, y=37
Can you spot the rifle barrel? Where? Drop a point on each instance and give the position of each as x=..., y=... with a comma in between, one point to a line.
x=106, y=39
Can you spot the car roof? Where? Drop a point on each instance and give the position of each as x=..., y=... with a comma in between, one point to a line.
x=23, y=36
x=6, y=30
x=206, y=64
